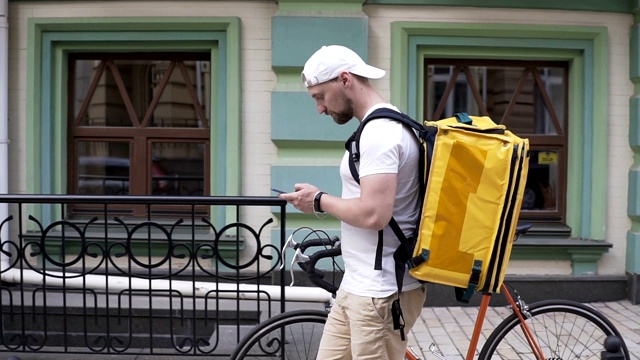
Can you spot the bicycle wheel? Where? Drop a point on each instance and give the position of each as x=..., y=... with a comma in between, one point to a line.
x=293, y=335
x=564, y=330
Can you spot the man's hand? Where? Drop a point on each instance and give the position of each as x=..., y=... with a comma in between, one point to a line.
x=372, y=210
x=302, y=197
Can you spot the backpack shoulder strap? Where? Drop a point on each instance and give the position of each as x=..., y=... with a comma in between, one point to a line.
x=353, y=143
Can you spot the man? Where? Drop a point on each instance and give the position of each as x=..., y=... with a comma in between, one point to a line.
x=360, y=324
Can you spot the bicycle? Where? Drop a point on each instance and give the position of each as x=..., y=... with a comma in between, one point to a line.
x=544, y=330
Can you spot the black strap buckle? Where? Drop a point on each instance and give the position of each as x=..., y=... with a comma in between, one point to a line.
x=398, y=318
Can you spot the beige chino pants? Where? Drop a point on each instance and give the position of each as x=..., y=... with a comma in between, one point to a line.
x=361, y=328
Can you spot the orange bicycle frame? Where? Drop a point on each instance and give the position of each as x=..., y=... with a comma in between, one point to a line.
x=480, y=320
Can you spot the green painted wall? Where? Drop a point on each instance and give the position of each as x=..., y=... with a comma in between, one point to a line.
x=618, y=6
x=294, y=118
x=310, y=145
x=633, y=206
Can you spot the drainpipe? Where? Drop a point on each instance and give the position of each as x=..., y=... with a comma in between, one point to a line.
x=4, y=120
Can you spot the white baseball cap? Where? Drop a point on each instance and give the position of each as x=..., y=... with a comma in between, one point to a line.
x=328, y=62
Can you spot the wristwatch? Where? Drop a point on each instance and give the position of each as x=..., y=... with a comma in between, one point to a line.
x=316, y=202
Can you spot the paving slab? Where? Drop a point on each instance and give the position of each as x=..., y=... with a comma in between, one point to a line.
x=449, y=327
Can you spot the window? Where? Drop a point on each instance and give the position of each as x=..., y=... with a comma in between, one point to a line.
x=139, y=123
x=530, y=98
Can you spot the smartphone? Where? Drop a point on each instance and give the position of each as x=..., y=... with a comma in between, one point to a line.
x=277, y=190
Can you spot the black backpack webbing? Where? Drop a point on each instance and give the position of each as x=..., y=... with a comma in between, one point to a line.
x=402, y=255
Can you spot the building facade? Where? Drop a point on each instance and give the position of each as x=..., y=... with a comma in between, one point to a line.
x=205, y=97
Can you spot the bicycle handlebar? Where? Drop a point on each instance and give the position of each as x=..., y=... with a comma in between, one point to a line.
x=316, y=242
x=316, y=276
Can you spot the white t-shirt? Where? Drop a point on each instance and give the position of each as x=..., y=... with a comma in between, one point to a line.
x=386, y=146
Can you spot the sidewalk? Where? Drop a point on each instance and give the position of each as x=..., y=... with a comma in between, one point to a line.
x=450, y=328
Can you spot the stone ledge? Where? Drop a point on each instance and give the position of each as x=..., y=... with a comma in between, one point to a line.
x=532, y=288
x=583, y=254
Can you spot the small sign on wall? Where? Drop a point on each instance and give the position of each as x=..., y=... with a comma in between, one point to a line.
x=548, y=157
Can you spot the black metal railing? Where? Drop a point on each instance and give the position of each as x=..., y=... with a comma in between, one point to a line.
x=99, y=280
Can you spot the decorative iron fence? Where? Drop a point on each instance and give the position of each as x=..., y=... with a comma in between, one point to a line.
x=137, y=274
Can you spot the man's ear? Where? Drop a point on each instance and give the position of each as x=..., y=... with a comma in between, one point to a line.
x=344, y=78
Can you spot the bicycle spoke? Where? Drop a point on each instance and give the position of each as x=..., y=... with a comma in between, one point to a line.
x=563, y=330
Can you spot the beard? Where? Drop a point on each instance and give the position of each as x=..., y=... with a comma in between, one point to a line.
x=344, y=116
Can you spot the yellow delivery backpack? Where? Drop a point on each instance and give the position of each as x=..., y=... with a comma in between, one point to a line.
x=476, y=180
x=473, y=173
